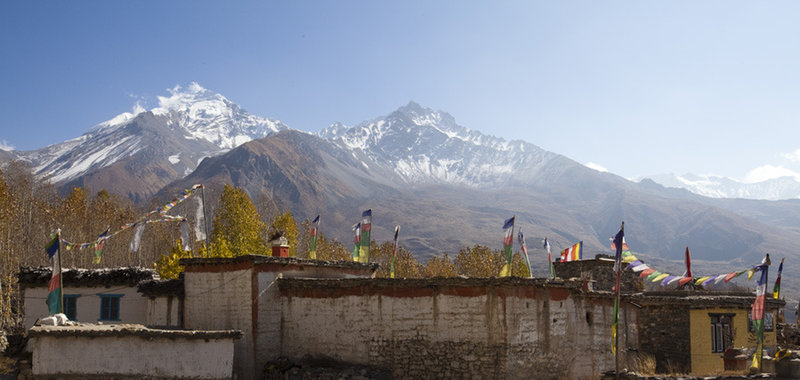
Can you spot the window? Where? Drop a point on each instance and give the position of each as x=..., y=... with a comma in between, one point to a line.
x=109, y=307
x=71, y=306
x=721, y=332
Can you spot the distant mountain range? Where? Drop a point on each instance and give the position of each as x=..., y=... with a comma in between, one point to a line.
x=448, y=186
x=722, y=187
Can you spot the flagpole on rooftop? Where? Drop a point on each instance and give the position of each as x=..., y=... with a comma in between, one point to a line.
x=618, y=241
x=205, y=219
x=60, y=278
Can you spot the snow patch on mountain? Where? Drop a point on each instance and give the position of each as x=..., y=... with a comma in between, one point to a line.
x=102, y=157
x=174, y=159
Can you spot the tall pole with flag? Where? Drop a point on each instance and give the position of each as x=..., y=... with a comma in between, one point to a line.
x=356, y=241
x=366, y=227
x=618, y=238
x=205, y=219
x=55, y=295
x=508, y=244
x=776, y=290
x=312, y=239
x=394, y=251
x=524, y=249
x=546, y=245
x=687, y=275
x=757, y=311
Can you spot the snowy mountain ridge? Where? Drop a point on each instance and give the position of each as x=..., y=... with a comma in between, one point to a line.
x=196, y=114
x=426, y=146
x=722, y=187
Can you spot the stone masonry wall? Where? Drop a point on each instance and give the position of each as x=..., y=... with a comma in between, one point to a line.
x=473, y=328
x=659, y=324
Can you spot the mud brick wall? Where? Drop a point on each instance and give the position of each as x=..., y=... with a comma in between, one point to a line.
x=664, y=334
x=450, y=328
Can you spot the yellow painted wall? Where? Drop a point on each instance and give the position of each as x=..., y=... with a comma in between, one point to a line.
x=704, y=362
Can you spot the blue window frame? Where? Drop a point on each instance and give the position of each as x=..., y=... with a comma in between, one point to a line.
x=71, y=306
x=109, y=307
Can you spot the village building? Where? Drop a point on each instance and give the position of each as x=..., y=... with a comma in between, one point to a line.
x=308, y=311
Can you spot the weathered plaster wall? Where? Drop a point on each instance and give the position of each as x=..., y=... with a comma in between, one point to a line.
x=705, y=362
x=164, y=311
x=132, y=356
x=216, y=300
x=132, y=304
x=268, y=335
x=489, y=330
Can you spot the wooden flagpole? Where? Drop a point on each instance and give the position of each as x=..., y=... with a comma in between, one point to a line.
x=205, y=219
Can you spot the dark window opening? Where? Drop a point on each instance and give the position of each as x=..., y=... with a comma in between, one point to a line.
x=71, y=306
x=109, y=307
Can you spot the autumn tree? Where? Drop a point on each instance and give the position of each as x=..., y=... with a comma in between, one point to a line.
x=238, y=224
x=439, y=266
x=168, y=266
x=285, y=224
x=479, y=261
x=405, y=264
x=331, y=250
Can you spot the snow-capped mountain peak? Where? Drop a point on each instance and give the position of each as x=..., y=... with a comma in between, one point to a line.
x=422, y=145
x=186, y=126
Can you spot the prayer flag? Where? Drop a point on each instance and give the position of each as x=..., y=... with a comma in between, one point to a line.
x=508, y=243
x=524, y=249
x=776, y=290
x=101, y=241
x=199, y=220
x=619, y=243
x=366, y=227
x=137, y=238
x=757, y=311
x=546, y=245
x=356, y=241
x=54, y=287
x=573, y=253
x=394, y=251
x=312, y=239
x=687, y=276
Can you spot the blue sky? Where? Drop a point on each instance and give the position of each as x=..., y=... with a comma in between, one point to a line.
x=637, y=87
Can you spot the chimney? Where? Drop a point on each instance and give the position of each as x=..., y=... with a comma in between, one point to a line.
x=280, y=247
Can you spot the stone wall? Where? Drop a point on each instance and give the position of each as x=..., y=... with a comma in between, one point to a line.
x=664, y=334
x=601, y=271
x=444, y=328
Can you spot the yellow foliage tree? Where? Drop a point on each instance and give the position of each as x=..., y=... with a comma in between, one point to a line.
x=168, y=267
x=331, y=250
x=439, y=267
x=405, y=264
x=238, y=224
x=479, y=261
x=286, y=224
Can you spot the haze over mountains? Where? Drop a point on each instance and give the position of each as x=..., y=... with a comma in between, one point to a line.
x=448, y=186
